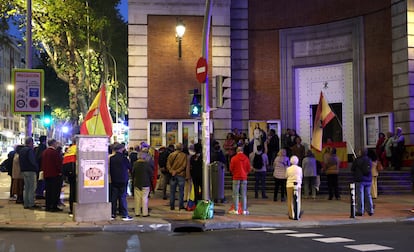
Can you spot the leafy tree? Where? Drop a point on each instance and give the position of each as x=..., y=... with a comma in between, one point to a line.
x=76, y=37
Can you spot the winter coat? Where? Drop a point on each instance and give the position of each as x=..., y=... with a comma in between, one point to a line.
x=361, y=168
x=280, y=165
x=51, y=163
x=240, y=166
x=142, y=174
x=177, y=162
x=294, y=174
x=309, y=167
x=118, y=168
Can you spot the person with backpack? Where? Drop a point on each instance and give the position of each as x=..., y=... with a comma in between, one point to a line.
x=259, y=162
x=361, y=169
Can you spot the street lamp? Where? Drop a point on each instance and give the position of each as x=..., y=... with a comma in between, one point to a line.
x=179, y=33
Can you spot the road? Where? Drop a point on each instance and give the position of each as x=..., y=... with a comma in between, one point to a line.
x=359, y=237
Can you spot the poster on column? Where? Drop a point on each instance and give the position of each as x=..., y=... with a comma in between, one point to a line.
x=93, y=173
x=93, y=161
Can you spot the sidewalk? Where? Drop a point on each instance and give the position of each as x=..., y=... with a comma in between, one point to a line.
x=263, y=213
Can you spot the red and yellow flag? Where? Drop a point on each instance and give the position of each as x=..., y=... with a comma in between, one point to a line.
x=98, y=121
x=323, y=116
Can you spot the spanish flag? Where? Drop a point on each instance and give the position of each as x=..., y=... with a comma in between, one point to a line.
x=323, y=116
x=98, y=120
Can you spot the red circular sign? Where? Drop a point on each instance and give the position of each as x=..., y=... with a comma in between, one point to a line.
x=201, y=70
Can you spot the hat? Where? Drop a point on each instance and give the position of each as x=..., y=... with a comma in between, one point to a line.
x=144, y=145
x=118, y=147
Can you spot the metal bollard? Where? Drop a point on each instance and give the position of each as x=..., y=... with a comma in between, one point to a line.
x=296, y=209
x=352, y=191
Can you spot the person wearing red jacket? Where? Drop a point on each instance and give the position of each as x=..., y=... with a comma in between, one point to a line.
x=240, y=168
x=52, y=172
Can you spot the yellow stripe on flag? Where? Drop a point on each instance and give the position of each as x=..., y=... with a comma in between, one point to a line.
x=98, y=120
x=323, y=116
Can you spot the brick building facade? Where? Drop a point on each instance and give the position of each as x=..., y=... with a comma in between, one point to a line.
x=280, y=55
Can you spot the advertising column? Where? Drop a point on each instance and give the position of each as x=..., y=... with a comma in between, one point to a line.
x=92, y=173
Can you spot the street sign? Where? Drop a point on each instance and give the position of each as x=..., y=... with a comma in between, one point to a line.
x=28, y=91
x=201, y=70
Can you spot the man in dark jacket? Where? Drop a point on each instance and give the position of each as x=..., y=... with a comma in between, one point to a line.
x=29, y=169
x=52, y=171
x=361, y=169
x=142, y=178
x=162, y=163
x=118, y=169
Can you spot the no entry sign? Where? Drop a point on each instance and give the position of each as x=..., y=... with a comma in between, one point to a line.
x=201, y=70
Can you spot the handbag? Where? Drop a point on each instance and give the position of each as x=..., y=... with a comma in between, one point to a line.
x=191, y=204
x=204, y=210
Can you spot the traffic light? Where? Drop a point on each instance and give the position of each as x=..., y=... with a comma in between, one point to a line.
x=47, y=115
x=221, y=90
x=195, y=105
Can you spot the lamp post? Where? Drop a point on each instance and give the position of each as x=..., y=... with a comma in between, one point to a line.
x=179, y=33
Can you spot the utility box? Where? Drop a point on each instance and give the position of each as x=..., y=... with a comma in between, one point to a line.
x=92, y=179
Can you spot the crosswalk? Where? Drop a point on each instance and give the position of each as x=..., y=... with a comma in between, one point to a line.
x=323, y=239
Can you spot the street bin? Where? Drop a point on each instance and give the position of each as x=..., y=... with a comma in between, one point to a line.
x=217, y=181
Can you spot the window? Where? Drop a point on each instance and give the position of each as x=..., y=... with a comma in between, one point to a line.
x=165, y=133
x=375, y=124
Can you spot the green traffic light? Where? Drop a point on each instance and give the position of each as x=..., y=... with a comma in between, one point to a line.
x=47, y=121
x=195, y=110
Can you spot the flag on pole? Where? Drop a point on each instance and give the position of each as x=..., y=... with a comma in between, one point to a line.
x=98, y=120
x=323, y=116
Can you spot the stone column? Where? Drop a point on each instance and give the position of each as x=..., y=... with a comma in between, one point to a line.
x=239, y=65
x=403, y=65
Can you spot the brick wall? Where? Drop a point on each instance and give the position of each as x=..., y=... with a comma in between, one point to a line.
x=170, y=78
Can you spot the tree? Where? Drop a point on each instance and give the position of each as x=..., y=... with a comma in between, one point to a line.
x=77, y=37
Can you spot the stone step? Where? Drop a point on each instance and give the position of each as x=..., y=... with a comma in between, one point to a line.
x=389, y=182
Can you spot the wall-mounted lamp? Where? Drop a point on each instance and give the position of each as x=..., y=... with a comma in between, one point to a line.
x=179, y=33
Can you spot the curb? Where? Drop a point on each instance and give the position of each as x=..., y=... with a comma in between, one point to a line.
x=186, y=225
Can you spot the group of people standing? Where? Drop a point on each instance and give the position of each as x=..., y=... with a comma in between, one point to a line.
x=390, y=149
x=293, y=168
x=182, y=167
x=261, y=154
x=37, y=174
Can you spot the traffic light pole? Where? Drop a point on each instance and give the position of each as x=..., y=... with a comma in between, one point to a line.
x=206, y=106
x=28, y=119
